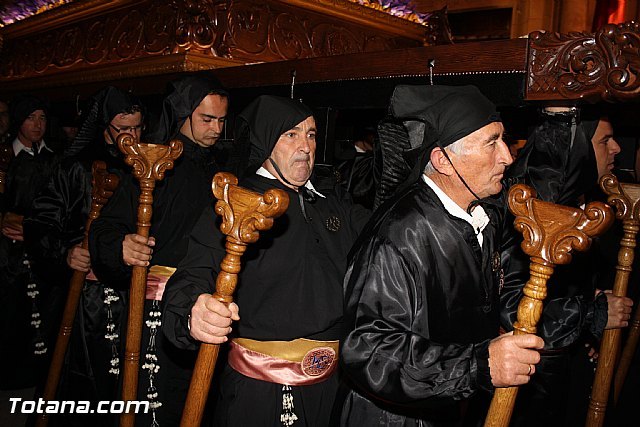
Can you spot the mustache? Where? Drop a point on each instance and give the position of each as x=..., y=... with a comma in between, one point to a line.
x=301, y=158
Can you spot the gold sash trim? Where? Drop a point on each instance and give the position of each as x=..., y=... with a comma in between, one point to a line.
x=293, y=351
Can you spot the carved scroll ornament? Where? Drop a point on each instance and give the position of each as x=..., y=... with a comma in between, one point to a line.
x=587, y=66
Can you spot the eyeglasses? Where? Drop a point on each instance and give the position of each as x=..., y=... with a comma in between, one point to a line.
x=127, y=129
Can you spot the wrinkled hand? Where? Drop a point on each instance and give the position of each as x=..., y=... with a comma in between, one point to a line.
x=136, y=250
x=211, y=320
x=12, y=226
x=78, y=258
x=512, y=359
x=619, y=310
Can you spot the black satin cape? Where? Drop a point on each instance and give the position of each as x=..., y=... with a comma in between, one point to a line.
x=422, y=305
x=20, y=367
x=562, y=169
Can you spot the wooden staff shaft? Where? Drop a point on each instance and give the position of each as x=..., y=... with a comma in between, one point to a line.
x=103, y=186
x=529, y=312
x=610, y=347
x=137, y=292
x=628, y=352
x=208, y=353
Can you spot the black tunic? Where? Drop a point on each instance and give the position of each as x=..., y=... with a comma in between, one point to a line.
x=178, y=201
x=290, y=286
x=422, y=305
x=21, y=368
x=56, y=223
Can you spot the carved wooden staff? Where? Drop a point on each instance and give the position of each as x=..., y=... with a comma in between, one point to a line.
x=149, y=162
x=6, y=154
x=550, y=232
x=244, y=213
x=628, y=352
x=103, y=186
x=626, y=199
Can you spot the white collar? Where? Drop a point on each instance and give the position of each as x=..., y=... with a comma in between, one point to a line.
x=478, y=218
x=18, y=146
x=265, y=173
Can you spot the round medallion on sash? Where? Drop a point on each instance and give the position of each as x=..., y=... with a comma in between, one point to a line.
x=318, y=361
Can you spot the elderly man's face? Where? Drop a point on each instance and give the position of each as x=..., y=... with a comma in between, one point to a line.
x=605, y=147
x=33, y=128
x=4, y=118
x=484, y=160
x=123, y=123
x=295, y=152
x=206, y=123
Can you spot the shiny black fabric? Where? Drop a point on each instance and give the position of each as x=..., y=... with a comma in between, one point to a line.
x=421, y=305
x=561, y=170
x=20, y=367
x=420, y=119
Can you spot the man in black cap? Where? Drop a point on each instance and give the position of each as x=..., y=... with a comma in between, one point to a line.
x=194, y=112
x=54, y=230
x=283, y=354
x=422, y=284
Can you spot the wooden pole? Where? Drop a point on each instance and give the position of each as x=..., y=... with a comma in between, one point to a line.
x=149, y=162
x=244, y=213
x=628, y=352
x=550, y=232
x=625, y=198
x=103, y=186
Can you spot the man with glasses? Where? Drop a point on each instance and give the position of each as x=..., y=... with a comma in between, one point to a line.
x=54, y=230
x=194, y=112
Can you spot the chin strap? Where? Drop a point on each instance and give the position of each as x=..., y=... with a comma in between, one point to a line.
x=472, y=204
x=304, y=194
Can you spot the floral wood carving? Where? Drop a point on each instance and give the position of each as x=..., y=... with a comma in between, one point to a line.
x=551, y=231
x=245, y=213
x=587, y=66
x=246, y=30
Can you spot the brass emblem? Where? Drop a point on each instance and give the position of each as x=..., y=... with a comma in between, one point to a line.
x=318, y=361
x=495, y=262
x=333, y=223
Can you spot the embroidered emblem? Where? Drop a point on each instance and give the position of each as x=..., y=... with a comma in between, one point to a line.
x=495, y=262
x=318, y=361
x=333, y=223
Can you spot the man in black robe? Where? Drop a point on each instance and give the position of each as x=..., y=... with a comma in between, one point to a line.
x=290, y=285
x=30, y=310
x=564, y=158
x=54, y=230
x=422, y=284
x=194, y=112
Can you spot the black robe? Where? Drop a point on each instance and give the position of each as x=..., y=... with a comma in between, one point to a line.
x=21, y=367
x=563, y=172
x=178, y=201
x=422, y=305
x=290, y=286
x=56, y=223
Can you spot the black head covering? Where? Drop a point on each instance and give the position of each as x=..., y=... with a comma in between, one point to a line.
x=22, y=106
x=420, y=119
x=561, y=167
x=184, y=96
x=106, y=104
x=259, y=126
